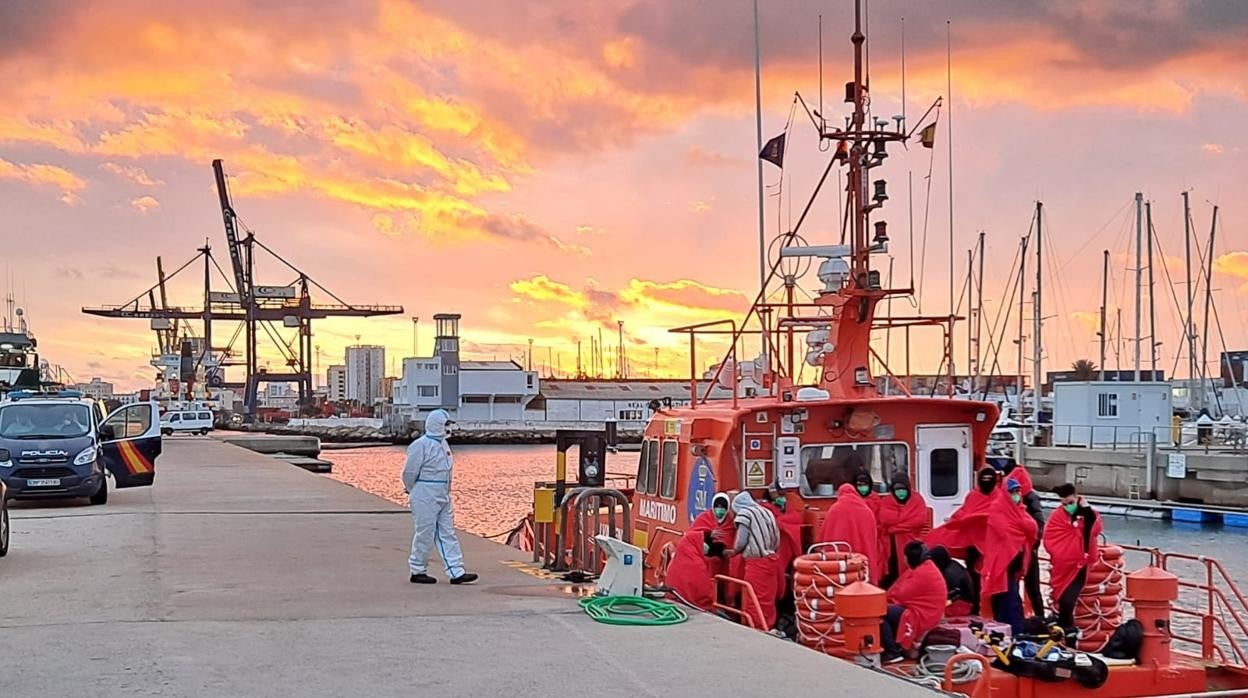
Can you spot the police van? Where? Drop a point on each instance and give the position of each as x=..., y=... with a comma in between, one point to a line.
x=61, y=444
x=186, y=421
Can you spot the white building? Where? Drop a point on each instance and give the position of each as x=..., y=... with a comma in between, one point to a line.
x=98, y=389
x=336, y=383
x=419, y=389
x=495, y=391
x=280, y=396
x=1096, y=413
x=366, y=366
x=627, y=402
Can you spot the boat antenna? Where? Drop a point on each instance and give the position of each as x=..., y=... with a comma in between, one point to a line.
x=822, y=121
x=903, y=75
x=758, y=148
x=949, y=122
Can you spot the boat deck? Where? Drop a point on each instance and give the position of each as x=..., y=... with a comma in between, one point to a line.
x=240, y=575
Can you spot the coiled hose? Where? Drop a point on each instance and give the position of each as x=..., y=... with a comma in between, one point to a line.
x=633, y=610
x=930, y=670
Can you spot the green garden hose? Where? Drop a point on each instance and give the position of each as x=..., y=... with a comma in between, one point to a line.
x=633, y=610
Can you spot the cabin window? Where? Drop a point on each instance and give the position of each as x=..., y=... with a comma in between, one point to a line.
x=943, y=472
x=669, y=469
x=1107, y=405
x=827, y=466
x=643, y=479
x=652, y=468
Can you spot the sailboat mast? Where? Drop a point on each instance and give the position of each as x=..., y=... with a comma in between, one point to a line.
x=1139, y=270
x=970, y=328
x=1104, y=302
x=1204, y=335
x=1188, y=325
x=979, y=311
x=1152, y=307
x=1022, y=285
x=1038, y=317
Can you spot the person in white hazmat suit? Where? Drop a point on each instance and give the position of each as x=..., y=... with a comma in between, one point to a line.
x=427, y=481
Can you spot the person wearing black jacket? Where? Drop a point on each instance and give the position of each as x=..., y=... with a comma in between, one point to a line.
x=957, y=582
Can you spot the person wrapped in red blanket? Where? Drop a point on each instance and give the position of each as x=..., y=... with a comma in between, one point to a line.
x=850, y=520
x=902, y=516
x=1002, y=532
x=916, y=604
x=699, y=555
x=758, y=539
x=960, y=533
x=1071, y=539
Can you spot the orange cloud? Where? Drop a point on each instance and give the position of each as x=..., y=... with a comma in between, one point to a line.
x=1234, y=263
x=43, y=175
x=134, y=174
x=685, y=296
x=143, y=204
x=542, y=288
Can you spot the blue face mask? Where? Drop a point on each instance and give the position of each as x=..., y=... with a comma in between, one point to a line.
x=720, y=514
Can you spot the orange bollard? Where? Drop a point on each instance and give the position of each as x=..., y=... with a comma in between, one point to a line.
x=862, y=607
x=1151, y=591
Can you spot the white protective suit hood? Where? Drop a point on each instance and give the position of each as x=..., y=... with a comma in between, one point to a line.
x=435, y=424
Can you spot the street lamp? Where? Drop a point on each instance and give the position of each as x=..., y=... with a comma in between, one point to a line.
x=415, y=325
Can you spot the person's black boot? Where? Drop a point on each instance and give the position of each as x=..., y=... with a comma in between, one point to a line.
x=465, y=578
x=424, y=579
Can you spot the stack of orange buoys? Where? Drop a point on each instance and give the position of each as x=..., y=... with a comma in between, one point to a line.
x=817, y=576
x=1099, y=610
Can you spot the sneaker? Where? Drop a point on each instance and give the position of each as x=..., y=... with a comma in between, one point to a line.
x=465, y=578
x=422, y=578
x=892, y=658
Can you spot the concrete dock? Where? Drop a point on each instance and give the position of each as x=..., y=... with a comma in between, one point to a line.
x=240, y=575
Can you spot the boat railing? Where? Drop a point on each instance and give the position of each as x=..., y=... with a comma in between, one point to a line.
x=705, y=328
x=1212, y=598
x=749, y=609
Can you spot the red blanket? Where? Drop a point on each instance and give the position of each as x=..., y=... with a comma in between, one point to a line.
x=690, y=573
x=899, y=524
x=921, y=591
x=851, y=521
x=1063, y=539
x=1024, y=479
x=1010, y=531
x=967, y=526
x=790, y=524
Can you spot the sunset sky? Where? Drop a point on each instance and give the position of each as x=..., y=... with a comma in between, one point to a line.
x=548, y=168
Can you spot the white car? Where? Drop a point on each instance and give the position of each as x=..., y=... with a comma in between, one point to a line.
x=186, y=421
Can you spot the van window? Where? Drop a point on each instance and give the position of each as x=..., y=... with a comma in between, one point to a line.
x=943, y=472
x=670, y=449
x=204, y=415
x=652, y=468
x=177, y=417
x=643, y=480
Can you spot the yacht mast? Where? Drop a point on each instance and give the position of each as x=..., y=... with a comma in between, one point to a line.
x=1022, y=285
x=1139, y=269
x=1038, y=317
x=1152, y=306
x=1204, y=336
x=979, y=312
x=1104, y=299
x=1188, y=326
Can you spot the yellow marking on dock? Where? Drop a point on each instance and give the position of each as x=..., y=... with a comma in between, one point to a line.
x=529, y=569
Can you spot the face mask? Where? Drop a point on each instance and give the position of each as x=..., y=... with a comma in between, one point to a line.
x=986, y=486
x=1071, y=508
x=720, y=513
x=864, y=490
x=901, y=495
x=1016, y=497
x=780, y=502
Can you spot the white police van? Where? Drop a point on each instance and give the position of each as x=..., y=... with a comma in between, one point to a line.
x=186, y=422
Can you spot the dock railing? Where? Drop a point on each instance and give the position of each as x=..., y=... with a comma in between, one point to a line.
x=1220, y=438
x=568, y=543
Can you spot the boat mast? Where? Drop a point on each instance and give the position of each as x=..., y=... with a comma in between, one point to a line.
x=1188, y=325
x=1104, y=300
x=1152, y=306
x=1204, y=335
x=758, y=149
x=979, y=312
x=1139, y=269
x=1022, y=286
x=1037, y=317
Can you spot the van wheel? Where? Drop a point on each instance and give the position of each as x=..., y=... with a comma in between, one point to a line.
x=203, y=432
x=167, y=432
x=101, y=495
x=4, y=530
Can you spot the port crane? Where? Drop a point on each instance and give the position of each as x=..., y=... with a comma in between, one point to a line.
x=261, y=311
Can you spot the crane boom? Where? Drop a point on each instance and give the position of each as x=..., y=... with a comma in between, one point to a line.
x=231, y=233
x=170, y=334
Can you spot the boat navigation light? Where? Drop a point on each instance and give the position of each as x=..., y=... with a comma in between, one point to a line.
x=881, y=232
x=881, y=151
x=861, y=376
x=881, y=191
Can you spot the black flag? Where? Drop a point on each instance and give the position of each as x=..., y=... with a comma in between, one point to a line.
x=773, y=152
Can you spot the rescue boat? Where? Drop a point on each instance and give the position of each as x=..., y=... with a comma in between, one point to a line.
x=809, y=439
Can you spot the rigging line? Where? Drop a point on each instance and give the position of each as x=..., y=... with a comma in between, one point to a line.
x=1003, y=322
x=1165, y=268
x=1217, y=319
x=226, y=277
x=278, y=341
x=949, y=125
x=156, y=285
x=1094, y=236
x=927, y=209
x=1062, y=301
x=910, y=183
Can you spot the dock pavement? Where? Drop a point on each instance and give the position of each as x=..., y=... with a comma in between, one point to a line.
x=240, y=575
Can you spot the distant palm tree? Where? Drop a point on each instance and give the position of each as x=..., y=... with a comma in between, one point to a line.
x=1085, y=370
